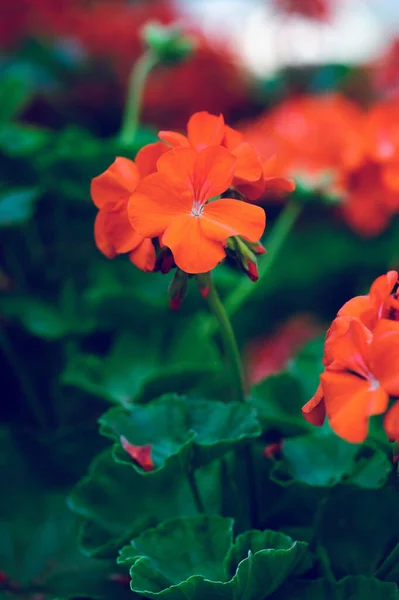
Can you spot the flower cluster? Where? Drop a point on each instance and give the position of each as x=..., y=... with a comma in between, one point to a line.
x=361, y=365
x=337, y=147
x=180, y=194
x=266, y=355
x=318, y=10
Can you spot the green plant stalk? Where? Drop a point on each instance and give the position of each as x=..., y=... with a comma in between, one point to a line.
x=282, y=228
x=27, y=389
x=391, y=561
x=134, y=101
x=232, y=352
x=229, y=341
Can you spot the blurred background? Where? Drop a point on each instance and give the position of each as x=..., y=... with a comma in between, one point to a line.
x=315, y=82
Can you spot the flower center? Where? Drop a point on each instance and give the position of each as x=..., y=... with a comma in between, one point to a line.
x=197, y=209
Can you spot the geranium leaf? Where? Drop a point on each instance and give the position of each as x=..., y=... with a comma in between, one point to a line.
x=187, y=431
x=206, y=564
x=323, y=459
x=117, y=503
x=350, y=588
x=263, y=560
x=278, y=401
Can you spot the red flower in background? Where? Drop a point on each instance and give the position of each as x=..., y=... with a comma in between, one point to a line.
x=267, y=355
x=385, y=71
x=108, y=31
x=361, y=360
x=310, y=134
x=337, y=147
x=319, y=10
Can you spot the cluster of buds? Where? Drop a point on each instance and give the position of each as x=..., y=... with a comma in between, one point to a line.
x=179, y=286
x=244, y=254
x=241, y=252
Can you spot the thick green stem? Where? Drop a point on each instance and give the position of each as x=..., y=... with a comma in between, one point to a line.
x=25, y=384
x=135, y=94
x=233, y=354
x=391, y=561
x=229, y=341
x=279, y=234
x=195, y=491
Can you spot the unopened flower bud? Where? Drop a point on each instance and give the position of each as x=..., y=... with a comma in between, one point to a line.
x=252, y=271
x=245, y=255
x=168, y=42
x=204, y=283
x=178, y=289
x=165, y=261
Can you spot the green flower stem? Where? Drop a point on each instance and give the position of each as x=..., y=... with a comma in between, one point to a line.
x=279, y=234
x=234, y=357
x=324, y=563
x=229, y=341
x=27, y=389
x=134, y=101
x=195, y=491
x=391, y=561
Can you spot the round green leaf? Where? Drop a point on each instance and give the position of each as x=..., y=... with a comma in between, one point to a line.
x=323, y=459
x=194, y=559
x=189, y=431
x=117, y=503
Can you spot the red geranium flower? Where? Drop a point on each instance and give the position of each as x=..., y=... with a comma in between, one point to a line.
x=361, y=365
x=318, y=10
x=253, y=174
x=174, y=204
x=268, y=355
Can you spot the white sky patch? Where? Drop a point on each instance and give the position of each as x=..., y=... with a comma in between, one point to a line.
x=265, y=41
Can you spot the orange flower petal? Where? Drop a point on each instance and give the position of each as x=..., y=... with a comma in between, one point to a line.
x=178, y=166
x=156, y=202
x=248, y=167
x=381, y=289
x=391, y=422
x=347, y=346
x=193, y=251
x=356, y=307
x=251, y=190
x=118, y=230
x=232, y=138
x=177, y=140
x=205, y=130
x=349, y=401
x=278, y=185
x=214, y=170
x=144, y=255
x=100, y=237
x=116, y=183
x=224, y=218
x=206, y=174
x=385, y=355
x=314, y=411
x=147, y=158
